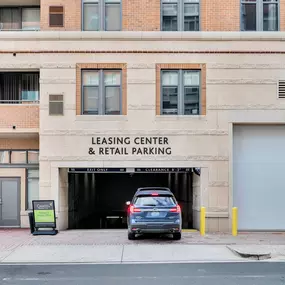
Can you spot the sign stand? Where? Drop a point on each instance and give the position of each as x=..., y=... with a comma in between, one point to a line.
x=44, y=217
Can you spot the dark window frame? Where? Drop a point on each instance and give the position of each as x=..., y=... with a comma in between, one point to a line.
x=19, y=150
x=180, y=14
x=259, y=14
x=101, y=93
x=181, y=94
x=102, y=14
x=27, y=186
x=20, y=8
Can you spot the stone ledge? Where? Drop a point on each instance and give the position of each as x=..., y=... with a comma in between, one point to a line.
x=118, y=132
x=140, y=36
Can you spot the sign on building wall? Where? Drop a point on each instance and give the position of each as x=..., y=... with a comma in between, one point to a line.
x=125, y=145
x=44, y=214
x=131, y=170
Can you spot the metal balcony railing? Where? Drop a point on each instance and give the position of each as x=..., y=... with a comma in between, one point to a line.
x=19, y=102
x=19, y=30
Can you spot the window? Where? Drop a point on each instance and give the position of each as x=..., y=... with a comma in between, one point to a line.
x=101, y=92
x=19, y=157
x=20, y=18
x=30, y=19
x=32, y=187
x=56, y=16
x=33, y=156
x=180, y=92
x=102, y=15
x=155, y=201
x=180, y=15
x=4, y=157
x=259, y=15
x=56, y=104
x=19, y=87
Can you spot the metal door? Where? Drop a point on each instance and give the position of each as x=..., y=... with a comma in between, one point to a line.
x=258, y=177
x=9, y=202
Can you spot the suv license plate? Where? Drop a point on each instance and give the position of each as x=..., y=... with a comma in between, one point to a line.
x=155, y=214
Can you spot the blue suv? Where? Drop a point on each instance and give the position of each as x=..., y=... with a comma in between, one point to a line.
x=154, y=210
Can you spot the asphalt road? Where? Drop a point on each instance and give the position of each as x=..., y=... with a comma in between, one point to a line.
x=251, y=273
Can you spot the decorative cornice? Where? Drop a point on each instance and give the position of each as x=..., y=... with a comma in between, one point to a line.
x=241, y=81
x=57, y=65
x=89, y=133
x=143, y=51
x=140, y=81
x=136, y=158
x=141, y=65
x=246, y=107
x=219, y=184
x=245, y=66
x=57, y=80
x=141, y=107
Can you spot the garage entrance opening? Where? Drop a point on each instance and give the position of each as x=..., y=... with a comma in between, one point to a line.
x=97, y=200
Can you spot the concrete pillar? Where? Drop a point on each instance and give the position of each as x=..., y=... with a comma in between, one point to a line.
x=45, y=181
x=200, y=194
x=62, y=208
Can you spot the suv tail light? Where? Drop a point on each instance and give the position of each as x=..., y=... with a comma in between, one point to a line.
x=177, y=209
x=132, y=209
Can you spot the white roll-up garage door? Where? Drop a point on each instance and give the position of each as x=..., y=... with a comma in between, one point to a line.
x=259, y=176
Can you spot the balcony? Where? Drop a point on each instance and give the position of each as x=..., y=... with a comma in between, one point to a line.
x=19, y=87
x=19, y=18
x=19, y=100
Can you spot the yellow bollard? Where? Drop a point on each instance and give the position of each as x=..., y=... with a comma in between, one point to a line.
x=203, y=221
x=234, y=221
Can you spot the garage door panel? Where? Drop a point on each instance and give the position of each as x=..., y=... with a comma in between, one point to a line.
x=259, y=179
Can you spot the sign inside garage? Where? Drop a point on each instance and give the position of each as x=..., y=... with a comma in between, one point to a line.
x=161, y=170
x=99, y=169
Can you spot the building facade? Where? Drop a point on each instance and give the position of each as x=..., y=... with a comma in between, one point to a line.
x=195, y=86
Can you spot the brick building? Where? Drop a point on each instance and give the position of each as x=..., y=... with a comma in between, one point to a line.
x=99, y=97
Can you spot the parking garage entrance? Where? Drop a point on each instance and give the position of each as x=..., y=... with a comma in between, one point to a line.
x=97, y=196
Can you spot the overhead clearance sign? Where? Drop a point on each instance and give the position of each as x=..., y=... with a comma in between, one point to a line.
x=140, y=145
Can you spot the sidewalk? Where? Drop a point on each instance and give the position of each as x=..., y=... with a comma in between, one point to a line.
x=112, y=246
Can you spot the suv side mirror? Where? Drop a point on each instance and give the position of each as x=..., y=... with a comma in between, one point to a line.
x=128, y=203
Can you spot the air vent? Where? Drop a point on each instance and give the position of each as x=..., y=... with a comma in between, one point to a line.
x=281, y=89
x=55, y=105
x=56, y=16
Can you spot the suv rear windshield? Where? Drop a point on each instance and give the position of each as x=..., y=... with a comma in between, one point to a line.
x=158, y=201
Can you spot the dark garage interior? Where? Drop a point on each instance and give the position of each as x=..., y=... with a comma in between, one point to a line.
x=97, y=200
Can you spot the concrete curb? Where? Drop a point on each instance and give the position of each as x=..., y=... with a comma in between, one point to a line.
x=258, y=255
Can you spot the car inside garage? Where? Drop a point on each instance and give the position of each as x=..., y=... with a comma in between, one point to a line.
x=258, y=176
x=97, y=197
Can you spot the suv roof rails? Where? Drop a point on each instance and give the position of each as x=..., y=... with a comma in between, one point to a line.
x=153, y=188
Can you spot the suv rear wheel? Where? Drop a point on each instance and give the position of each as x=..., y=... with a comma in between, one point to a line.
x=177, y=236
x=131, y=236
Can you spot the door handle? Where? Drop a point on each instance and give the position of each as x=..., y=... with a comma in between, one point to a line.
x=0, y=201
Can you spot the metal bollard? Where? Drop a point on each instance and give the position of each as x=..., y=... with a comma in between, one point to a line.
x=203, y=221
x=234, y=221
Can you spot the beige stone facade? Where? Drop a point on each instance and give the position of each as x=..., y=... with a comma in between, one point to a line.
x=240, y=86
x=239, y=76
